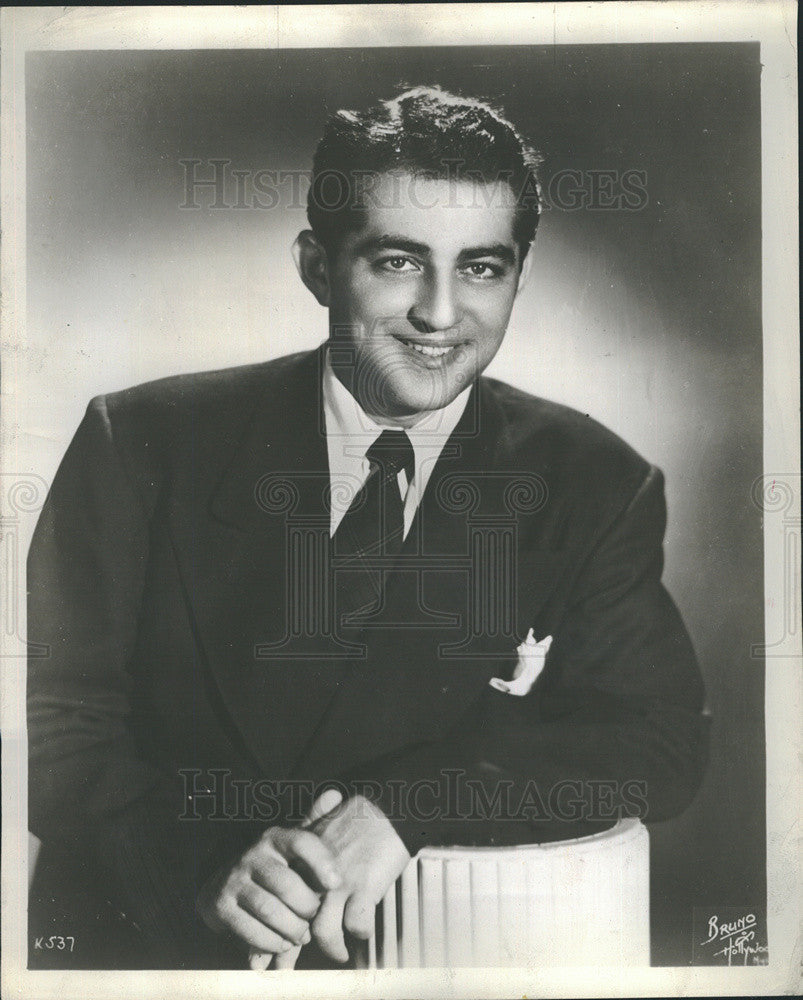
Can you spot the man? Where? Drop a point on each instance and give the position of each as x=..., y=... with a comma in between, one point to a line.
x=312, y=569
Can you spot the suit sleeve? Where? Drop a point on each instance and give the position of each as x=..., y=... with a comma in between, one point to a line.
x=90, y=787
x=613, y=727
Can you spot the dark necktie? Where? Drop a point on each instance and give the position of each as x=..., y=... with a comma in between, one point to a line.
x=374, y=523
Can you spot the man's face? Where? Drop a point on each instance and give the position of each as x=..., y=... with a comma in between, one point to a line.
x=421, y=295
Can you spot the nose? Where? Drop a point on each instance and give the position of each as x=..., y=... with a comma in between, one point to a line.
x=436, y=306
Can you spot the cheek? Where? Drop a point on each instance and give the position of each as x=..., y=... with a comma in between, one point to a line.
x=369, y=302
x=491, y=315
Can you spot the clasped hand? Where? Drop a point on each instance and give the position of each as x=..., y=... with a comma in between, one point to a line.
x=314, y=881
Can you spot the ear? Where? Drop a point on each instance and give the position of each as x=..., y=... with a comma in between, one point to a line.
x=524, y=274
x=312, y=264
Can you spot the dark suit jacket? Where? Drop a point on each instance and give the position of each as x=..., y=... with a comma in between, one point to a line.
x=181, y=577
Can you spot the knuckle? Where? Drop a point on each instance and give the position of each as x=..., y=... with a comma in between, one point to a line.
x=267, y=911
x=278, y=835
x=268, y=839
x=261, y=855
x=265, y=867
x=222, y=908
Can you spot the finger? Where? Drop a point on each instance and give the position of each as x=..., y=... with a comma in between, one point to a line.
x=255, y=934
x=327, y=927
x=259, y=961
x=304, y=846
x=359, y=916
x=325, y=803
x=289, y=887
x=272, y=913
x=288, y=959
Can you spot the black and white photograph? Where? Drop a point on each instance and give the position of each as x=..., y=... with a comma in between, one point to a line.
x=400, y=500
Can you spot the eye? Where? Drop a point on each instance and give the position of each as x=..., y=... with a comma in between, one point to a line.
x=399, y=265
x=480, y=269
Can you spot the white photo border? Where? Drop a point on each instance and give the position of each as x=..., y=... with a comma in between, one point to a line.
x=773, y=25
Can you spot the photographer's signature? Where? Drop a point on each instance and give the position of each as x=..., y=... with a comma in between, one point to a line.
x=737, y=938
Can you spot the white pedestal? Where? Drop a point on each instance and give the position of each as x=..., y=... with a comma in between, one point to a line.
x=574, y=902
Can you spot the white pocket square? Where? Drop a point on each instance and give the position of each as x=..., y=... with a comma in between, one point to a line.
x=532, y=656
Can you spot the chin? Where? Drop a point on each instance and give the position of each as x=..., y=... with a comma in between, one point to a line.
x=408, y=401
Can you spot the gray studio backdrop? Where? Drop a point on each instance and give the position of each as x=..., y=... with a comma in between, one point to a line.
x=643, y=309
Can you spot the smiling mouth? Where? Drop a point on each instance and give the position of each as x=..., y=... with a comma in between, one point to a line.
x=430, y=350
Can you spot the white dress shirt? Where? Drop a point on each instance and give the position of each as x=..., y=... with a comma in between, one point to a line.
x=350, y=432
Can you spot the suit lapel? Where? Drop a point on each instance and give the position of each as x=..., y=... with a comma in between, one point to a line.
x=452, y=610
x=251, y=571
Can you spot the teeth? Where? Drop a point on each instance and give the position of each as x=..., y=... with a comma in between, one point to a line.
x=429, y=350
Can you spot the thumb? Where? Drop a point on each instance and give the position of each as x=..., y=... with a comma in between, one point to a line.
x=325, y=803
x=359, y=915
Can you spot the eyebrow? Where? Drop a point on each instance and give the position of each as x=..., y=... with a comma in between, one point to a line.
x=403, y=243
x=500, y=250
x=390, y=242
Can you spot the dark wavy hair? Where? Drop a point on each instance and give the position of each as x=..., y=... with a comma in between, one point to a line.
x=427, y=132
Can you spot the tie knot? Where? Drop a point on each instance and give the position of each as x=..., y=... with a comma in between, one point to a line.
x=392, y=451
